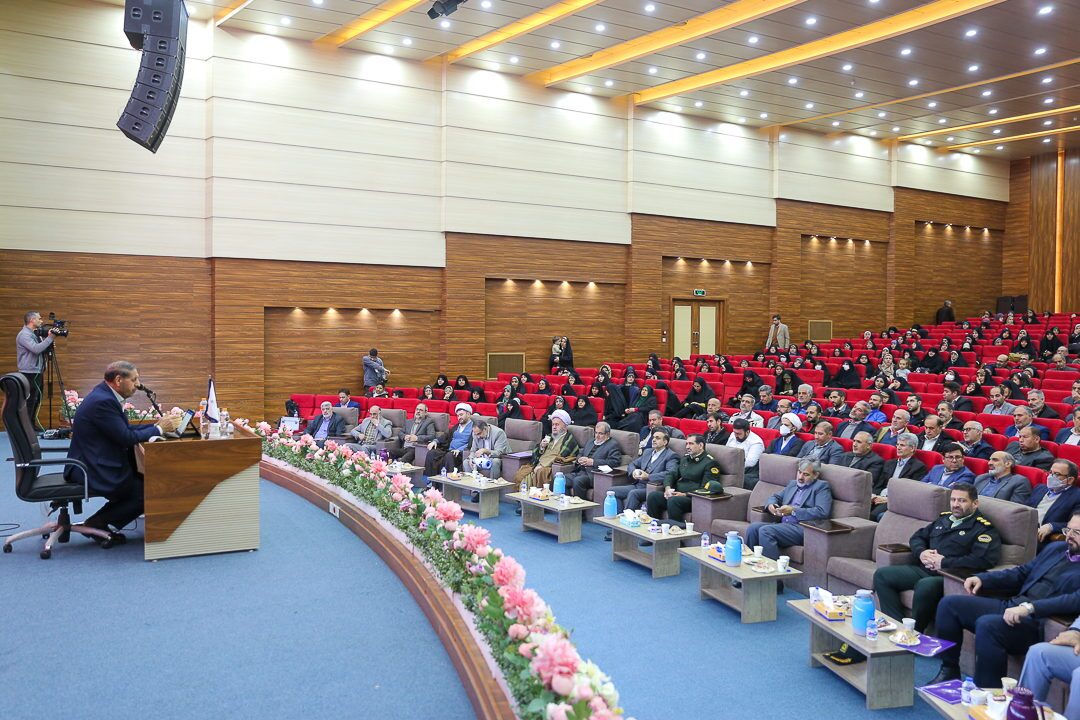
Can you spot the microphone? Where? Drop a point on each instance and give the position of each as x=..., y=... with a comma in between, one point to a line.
x=145, y=389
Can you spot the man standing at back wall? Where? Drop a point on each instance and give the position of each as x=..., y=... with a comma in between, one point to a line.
x=778, y=334
x=29, y=355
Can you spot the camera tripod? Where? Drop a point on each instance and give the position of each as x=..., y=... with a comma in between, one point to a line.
x=51, y=374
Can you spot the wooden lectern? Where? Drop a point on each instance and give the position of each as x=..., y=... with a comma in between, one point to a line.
x=202, y=496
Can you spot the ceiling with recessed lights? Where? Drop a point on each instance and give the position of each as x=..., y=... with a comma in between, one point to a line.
x=1000, y=78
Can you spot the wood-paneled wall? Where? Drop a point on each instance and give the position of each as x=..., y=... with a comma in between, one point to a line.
x=154, y=312
x=1070, y=250
x=938, y=251
x=742, y=287
x=1042, y=247
x=1017, y=242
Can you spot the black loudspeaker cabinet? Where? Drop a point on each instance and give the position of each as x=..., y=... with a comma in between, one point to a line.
x=148, y=113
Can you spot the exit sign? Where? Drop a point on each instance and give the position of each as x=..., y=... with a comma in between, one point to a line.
x=699, y=292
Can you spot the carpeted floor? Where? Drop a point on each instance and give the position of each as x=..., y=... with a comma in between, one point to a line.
x=313, y=624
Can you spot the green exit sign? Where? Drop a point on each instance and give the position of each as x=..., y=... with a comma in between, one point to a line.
x=699, y=292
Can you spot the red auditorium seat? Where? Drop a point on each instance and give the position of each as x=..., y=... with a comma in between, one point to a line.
x=1069, y=452
x=439, y=406
x=976, y=465
x=885, y=452
x=1034, y=475
x=406, y=404
x=929, y=457
x=689, y=426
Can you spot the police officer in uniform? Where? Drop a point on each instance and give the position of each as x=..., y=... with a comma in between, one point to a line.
x=698, y=470
x=961, y=538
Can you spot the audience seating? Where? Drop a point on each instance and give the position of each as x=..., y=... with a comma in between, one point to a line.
x=523, y=436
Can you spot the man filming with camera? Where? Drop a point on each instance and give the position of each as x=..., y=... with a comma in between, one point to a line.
x=31, y=344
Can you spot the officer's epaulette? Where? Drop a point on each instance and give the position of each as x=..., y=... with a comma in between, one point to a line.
x=983, y=520
x=947, y=512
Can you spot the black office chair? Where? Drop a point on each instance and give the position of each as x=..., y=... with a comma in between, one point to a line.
x=34, y=487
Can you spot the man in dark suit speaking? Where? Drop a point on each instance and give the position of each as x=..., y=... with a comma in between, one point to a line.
x=104, y=441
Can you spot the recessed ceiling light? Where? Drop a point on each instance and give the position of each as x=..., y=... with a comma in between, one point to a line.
x=753, y=39
x=905, y=51
x=514, y=60
x=444, y=24
x=928, y=142
x=286, y=21
x=931, y=105
x=1047, y=80
x=744, y=93
x=971, y=33
x=896, y=129
x=652, y=71
x=987, y=93
x=700, y=56
x=809, y=106
x=486, y=4
x=763, y=115
x=949, y=139
x=650, y=7
x=1048, y=122
x=792, y=81
x=609, y=83
x=811, y=20
x=1046, y=140
x=881, y=114
x=942, y=121
x=976, y=151
x=836, y=123
x=406, y=41
x=860, y=94
x=1048, y=101
x=997, y=131
x=317, y=2
x=992, y=111
x=847, y=67
x=913, y=82
x=1046, y=9
x=973, y=68
x=873, y=132
x=1040, y=51
x=698, y=103
x=555, y=44
x=874, y=2
x=742, y=120
x=600, y=27
x=1000, y=147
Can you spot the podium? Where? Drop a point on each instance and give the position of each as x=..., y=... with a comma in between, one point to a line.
x=202, y=496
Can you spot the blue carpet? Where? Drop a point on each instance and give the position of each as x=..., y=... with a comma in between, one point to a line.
x=311, y=625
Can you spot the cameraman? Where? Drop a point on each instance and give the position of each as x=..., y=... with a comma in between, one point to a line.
x=29, y=349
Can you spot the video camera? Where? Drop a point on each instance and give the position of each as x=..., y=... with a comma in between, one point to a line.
x=55, y=325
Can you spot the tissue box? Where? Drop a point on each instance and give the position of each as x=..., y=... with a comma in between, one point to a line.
x=828, y=612
x=629, y=521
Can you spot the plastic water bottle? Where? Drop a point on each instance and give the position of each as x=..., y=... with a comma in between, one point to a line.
x=611, y=505
x=965, y=690
x=524, y=487
x=443, y=472
x=733, y=549
x=559, y=487
x=871, y=630
x=705, y=540
x=226, y=424
x=862, y=611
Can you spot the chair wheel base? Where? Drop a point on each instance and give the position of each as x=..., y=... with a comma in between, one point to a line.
x=46, y=554
x=7, y=548
x=113, y=540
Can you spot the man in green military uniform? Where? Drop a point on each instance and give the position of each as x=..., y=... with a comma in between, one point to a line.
x=959, y=539
x=698, y=470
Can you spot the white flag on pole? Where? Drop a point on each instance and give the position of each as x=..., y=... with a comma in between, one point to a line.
x=211, y=403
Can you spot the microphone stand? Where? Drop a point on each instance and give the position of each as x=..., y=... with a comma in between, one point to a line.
x=152, y=397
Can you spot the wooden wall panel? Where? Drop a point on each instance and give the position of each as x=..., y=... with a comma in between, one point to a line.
x=938, y=252
x=844, y=282
x=522, y=316
x=1017, y=242
x=154, y=312
x=656, y=239
x=1070, y=257
x=743, y=288
x=1041, y=257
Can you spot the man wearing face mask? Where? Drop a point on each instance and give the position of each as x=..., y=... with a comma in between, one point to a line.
x=807, y=497
x=1057, y=500
x=752, y=448
x=787, y=444
x=960, y=539
x=1001, y=482
x=857, y=423
x=1047, y=585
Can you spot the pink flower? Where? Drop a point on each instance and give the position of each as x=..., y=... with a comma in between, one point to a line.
x=346, y=452
x=526, y=649
x=128, y=406
x=406, y=505
x=581, y=691
x=508, y=572
x=521, y=605
x=330, y=446
x=378, y=466
x=432, y=496
x=518, y=631
x=401, y=483
x=603, y=713
x=448, y=511
x=556, y=661
x=562, y=684
x=475, y=537
x=558, y=712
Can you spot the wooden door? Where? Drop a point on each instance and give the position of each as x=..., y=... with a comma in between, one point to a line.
x=696, y=327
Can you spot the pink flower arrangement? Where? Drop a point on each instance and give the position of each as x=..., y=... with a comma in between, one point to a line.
x=508, y=573
x=522, y=604
x=378, y=467
x=474, y=538
x=556, y=661
x=432, y=496
x=449, y=513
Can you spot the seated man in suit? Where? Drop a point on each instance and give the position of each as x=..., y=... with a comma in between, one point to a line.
x=106, y=444
x=783, y=407
x=600, y=450
x=823, y=448
x=746, y=412
x=958, y=540
x=998, y=405
x=345, y=400
x=1001, y=482
x=1057, y=500
x=838, y=406
x=374, y=428
x=932, y=438
x=656, y=423
x=656, y=465
x=787, y=444
x=488, y=440
x=742, y=438
x=716, y=434
x=856, y=422
x=698, y=470
x=951, y=394
x=1022, y=418
x=915, y=410
x=807, y=497
x=945, y=415
x=973, y=444
x=862, y=457
x=804, y=396
x=1070, y=435
x=905, y=465
x=1058, y=659
x=1028, y=450
x=1037, y=402
x=1047, y=585
x=326, y=424
x=766, y=401
x=876, y=402
x=952, y=470
x=712, y=407
x=897, y=426
x=420, y=430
